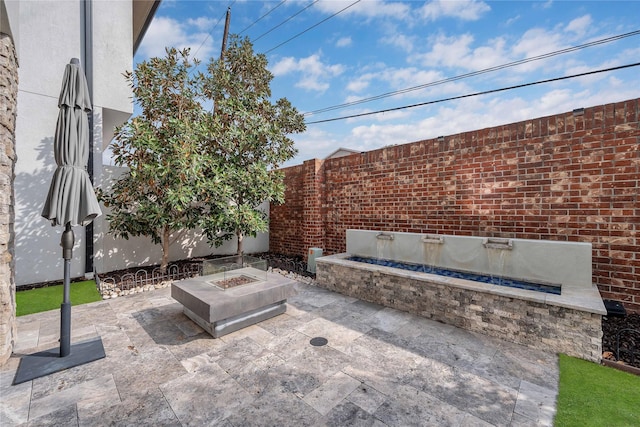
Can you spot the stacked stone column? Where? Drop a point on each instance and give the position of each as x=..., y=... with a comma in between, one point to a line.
x=8, y=103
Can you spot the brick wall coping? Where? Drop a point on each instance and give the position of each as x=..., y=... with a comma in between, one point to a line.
x=575, y=297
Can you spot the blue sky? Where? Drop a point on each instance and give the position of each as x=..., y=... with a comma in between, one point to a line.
x=377, y=47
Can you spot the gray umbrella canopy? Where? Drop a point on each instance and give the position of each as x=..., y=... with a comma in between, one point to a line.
x=71, y=199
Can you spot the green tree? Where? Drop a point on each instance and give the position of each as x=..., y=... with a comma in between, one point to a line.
x=162, y=149
x=250, y=136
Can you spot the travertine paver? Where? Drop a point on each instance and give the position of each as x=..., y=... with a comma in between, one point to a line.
x=535, y=403
x=381, y=367
x=14, y=400
x=331, y=393
x=87, y=396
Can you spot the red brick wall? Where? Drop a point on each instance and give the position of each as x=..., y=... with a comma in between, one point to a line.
x=562, y=177
x=286, y=221
x=297, y=225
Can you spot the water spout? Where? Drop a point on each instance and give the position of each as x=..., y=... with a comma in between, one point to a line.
x=384, y=245
x=384, y=236
x=497, y=243
x=433, y=238
x=496, y=253
x=431, y=250
x=497, y=261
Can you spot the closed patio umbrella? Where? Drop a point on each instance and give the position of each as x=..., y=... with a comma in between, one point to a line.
x=70, y=201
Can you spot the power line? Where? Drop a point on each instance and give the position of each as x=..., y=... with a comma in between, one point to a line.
x=313, y=26
x=259, y=19
x=475, y=73
x=286, y=20
x=453, y=98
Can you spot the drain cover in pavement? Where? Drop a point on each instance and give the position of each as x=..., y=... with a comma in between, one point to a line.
x=318, y=341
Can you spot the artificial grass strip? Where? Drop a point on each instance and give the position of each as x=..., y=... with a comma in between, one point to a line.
x=49, y=298
x=596, y=395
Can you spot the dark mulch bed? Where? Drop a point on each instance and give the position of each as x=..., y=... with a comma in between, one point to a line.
x=192, y=265
x=295, y=264
x=621, y=337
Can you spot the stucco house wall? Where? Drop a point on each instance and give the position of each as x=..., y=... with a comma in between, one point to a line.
x=68, y=29
x=102, y=34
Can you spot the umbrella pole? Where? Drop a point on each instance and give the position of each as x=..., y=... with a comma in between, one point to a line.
x=67, y=242
x=47, y=362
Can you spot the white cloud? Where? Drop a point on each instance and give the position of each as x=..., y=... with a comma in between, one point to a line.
x=391, y=115
x=359, y=84
x=368, y=8
x=478, y=113
x=447, y=51
x=537, y=41
x=314, y=74
x=314, y=143
x=553, y=98
x=401, y=41
x=460, y=116
x=400, y=78
x=353, y=98
x=579, y=26
x=167, y=32
x=512, y=20
x=467, y=10
x=460, y=51
x=344, y=42
x=491, y=54
x=202, y=23
x=577, y=67
x=457, y=52
x=284, y=66
x=396, y=79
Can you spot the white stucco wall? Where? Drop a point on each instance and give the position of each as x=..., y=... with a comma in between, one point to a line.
x=112, y=54
x=43, y=55
x=51, y=33
x=9, y=20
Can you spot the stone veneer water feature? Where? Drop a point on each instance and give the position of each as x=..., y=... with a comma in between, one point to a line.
x=568, y=323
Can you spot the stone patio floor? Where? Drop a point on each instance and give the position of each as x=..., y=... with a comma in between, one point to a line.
x=381, y=367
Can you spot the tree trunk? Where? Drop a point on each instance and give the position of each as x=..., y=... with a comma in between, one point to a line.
x=240, y=239
x=165, y=249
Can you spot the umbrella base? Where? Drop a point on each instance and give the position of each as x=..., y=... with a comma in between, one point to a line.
x=47, y=362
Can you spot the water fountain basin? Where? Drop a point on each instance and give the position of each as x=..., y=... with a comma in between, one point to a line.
x=569, y=323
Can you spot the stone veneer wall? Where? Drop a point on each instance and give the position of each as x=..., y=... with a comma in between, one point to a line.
x=8, y=103
x=537, y=325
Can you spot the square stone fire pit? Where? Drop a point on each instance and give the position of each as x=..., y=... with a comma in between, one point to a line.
x=233, y=293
